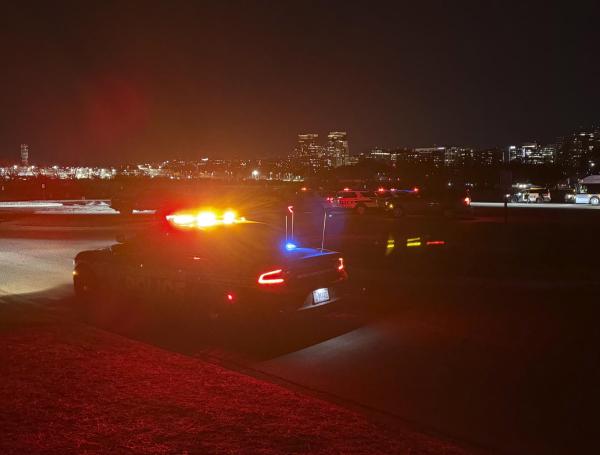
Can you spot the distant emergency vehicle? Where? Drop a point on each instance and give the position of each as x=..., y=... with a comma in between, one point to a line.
x=525, y=192
x=359, y=201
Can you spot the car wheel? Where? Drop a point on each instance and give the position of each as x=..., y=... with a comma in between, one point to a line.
x=97, y=305
x=360, y=209
x=126, y=211
x=515, y=199
x=538, y=200
x=594, y=200
x=85, y=284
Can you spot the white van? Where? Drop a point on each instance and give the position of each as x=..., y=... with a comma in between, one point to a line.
x=588, y=190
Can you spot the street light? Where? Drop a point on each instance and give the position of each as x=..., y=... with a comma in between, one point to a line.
x=255, y=173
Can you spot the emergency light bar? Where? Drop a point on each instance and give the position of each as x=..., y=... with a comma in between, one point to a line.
x=202, y=219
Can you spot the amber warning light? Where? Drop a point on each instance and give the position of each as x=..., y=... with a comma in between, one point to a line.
x=202, y=219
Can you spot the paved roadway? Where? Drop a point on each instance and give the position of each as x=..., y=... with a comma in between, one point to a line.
x=511, y=365
x=39, y=267
x=546, y=206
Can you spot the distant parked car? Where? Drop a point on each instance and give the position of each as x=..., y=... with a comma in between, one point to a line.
x=532, y=194
x=588, y=190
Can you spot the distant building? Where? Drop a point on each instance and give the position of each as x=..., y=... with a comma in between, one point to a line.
x=548, y=153
x=24, y=155
x=458, y=156
x=380, y=154
x=352, y=160
x=337, y=148
x=307, y=144
x=488, y=157
x=308, y=155
x=532, y=153
x=577, y=151
x=430, y=156
x=311, y=156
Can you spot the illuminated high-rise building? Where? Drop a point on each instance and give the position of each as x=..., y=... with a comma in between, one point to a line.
x=337, y=148
x=532, y=153
x=24, y=155
x=308, y=155
x=307, y=145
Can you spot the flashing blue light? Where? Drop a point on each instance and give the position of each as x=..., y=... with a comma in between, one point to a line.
x=290, y=246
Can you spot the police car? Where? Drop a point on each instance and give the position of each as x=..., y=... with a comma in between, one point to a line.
x=417, y=201
x=359, y=201
x=210, y=264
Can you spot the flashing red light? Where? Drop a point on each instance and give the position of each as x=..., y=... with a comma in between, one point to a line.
x=329, y=199
x=467, y=200
x=340, y=266
x=230, y=297
x=416, y=189
x=435, y=242
x=346, y=189
x=272, y=277
x=381, y=189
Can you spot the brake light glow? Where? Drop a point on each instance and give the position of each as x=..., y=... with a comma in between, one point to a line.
x=340, y=266
x=381, y=189
x=435, y=242
x=272, y=277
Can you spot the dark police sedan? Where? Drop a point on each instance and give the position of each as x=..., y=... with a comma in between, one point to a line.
x=201, y=263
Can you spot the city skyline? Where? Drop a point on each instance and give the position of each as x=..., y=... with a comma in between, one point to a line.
x=332, y=150
x=191, y=79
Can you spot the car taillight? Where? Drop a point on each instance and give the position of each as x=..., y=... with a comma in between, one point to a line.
x=340, y=266
x=435, y=242
x=272, y=277
x=467, y=200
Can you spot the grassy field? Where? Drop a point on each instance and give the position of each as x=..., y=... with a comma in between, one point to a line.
x=70, y=388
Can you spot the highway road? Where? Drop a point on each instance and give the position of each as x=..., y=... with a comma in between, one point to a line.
x=511, y=368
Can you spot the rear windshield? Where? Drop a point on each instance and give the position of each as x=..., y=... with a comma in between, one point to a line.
x=243, y=239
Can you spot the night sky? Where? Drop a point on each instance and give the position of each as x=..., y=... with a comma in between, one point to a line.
x=135, y=81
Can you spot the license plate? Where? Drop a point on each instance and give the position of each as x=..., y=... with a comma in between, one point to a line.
x=320, y=295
